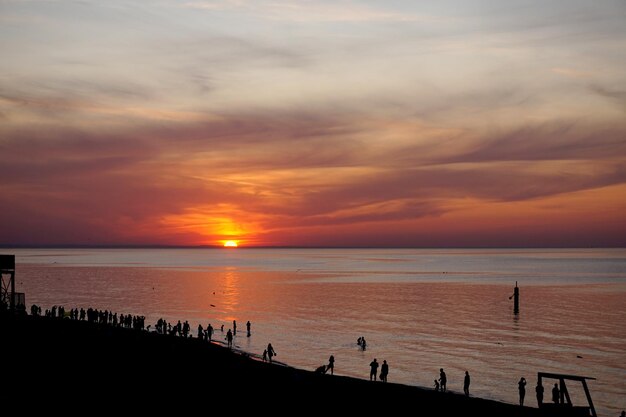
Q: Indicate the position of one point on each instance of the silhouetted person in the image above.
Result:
(229, 338)
(466, 383)
(222, 328)
(200, 332)
(623, 414)
(384, 371)
(555, 394)
(443, 380)
(539, 391)
(270, 352)
(320, 369)
(248, 327)
(436, 385)
(331, 364)
(373, 369)
(363, 343)
(209, 332)
(521, 386)
(358, 341)
(265, 355)
(234, 327)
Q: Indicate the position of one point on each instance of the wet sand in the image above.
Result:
(73, 362)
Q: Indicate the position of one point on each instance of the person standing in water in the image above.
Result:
(229, 339)
(235, 327)
(248, 327)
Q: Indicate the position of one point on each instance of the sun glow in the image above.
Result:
(230, 244)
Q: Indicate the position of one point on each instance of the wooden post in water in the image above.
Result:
(516, 299)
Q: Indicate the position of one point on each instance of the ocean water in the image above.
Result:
(420, 310)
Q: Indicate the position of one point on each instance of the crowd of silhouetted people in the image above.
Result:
(92, 315)
(129, 321)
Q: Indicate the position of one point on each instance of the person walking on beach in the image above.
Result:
(200, 332)
(373, 369)
(248, 327)
(265, 355)
(539, 391)
(466, 383)
(555, 394)
(229, 339)
(209, 332)
(443, 380)
(521, 385)
(384, 371)
(331, 364)
(270, 352)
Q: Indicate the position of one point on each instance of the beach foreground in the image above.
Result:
(72, 360)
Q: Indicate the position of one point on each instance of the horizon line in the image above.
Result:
(144, 246)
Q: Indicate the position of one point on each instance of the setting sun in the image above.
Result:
(230, 244)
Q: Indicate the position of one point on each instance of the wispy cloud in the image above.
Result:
(309, 11)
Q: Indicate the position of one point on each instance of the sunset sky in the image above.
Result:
(313, 123)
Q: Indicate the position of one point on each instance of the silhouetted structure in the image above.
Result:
(515, 297)
(373, 369)
(466, 383)
(561, 401)
(9, 299)
(521, 386)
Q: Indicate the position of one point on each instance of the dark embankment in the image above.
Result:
(64, 363)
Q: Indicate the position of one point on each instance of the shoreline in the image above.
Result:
(44, 349)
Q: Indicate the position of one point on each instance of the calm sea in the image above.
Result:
(420, 310)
